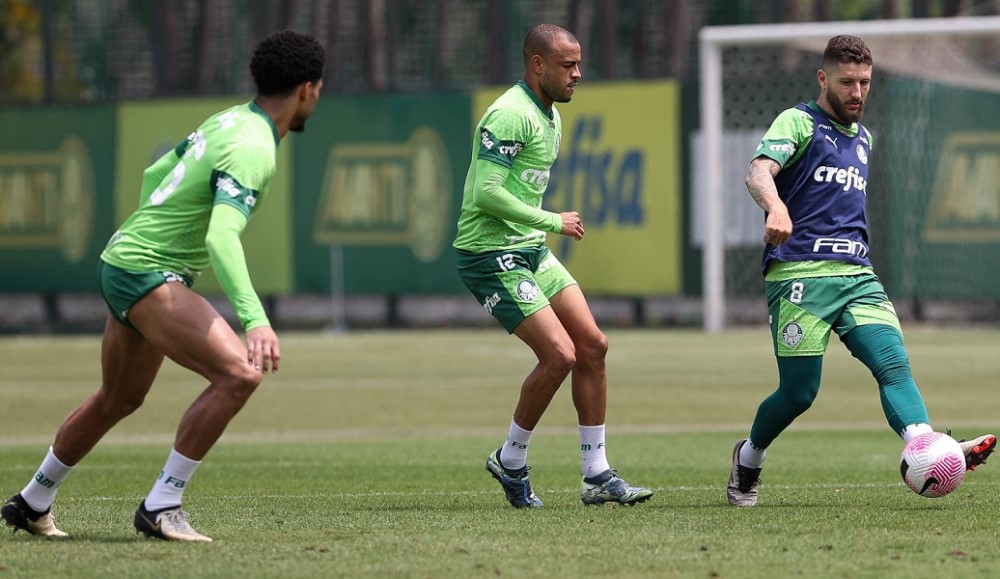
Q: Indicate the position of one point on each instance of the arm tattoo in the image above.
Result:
(760, 179)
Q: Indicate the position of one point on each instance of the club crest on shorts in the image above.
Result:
(527, 290)
(791, 334)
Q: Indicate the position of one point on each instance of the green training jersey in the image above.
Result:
(229, 160)
(513, 150)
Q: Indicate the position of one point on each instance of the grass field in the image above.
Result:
(364, 457)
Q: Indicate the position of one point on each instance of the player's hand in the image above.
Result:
(263, 352)
(778, 225)
(572, 225)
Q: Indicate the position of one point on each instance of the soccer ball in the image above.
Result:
(932, 464)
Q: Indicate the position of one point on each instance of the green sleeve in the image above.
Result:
(787, 138)
(226, 254)
(491, 197)
(154, 175)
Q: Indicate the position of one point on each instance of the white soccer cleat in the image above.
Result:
(743, 481)
(20, 516)
(170, 524)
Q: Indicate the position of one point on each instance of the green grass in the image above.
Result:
(364, 457)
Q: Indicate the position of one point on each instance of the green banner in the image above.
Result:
(945, 191)
(55, 197)
(148, 129)
(378, 182)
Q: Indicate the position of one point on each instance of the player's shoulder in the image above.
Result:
(867, 136)
(792, 124)
(794, 114)
(251, 129)
(510, 112)
(244, 120)
(512, 103)
(257, 125)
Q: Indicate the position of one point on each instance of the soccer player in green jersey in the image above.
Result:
(810, 176)
(194, 203)
(503, 260)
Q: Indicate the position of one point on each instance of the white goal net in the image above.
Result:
(934, 188)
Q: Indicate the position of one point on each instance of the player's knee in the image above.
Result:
(561, 362)
(801, 402)
(799, 397)
(246, 378)
(114, 408)
(592, 349)
(241, 382)
(892, 366)
(597, 346)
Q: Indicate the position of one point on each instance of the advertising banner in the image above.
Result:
(378, 183)
(945, 197)
(55, 197)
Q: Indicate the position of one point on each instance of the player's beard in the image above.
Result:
(555, 91)
(840, 110)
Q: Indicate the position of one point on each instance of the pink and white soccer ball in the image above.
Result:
(932, 464)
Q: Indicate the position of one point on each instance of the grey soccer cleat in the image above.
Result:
(515, 484)
(608, 487)
(170, 524)
(20, 516)
(743, 481)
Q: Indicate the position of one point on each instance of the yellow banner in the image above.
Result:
(619, 167)
(146, 130)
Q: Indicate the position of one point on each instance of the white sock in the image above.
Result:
(912, 430)
(514, 452)
(593, 451)
(41, 491)
(168, 490)
(750, 456)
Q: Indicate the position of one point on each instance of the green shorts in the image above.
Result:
(803, 311)
(513, 284)
(122, 289)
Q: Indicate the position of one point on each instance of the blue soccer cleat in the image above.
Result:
(515, 484)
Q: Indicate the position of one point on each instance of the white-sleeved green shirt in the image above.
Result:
(195, 201)
(513, 150)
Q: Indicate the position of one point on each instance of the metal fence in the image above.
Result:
(80, 51)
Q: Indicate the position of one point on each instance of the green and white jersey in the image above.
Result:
(229, 159)
(513, 150)
(201, 195)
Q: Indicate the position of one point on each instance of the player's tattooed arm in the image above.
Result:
(760, 184)
(760, 181)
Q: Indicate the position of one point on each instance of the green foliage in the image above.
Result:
(364, 457)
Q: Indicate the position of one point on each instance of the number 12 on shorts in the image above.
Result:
(506, 262)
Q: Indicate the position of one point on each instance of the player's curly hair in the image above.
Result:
(284, 60)
(845, 48)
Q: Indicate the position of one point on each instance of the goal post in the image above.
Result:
(794, 51)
